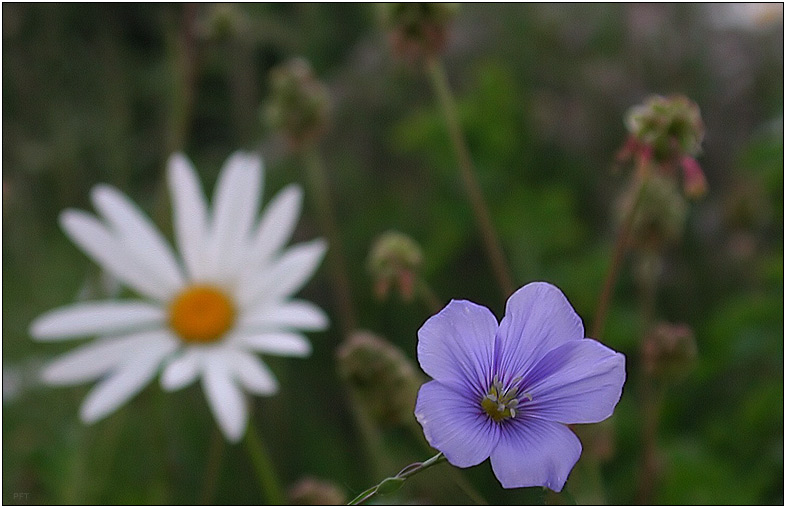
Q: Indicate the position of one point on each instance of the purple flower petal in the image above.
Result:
(455, 425)
(578, 382)
(538, 318)
(455, 346)
(533, 452)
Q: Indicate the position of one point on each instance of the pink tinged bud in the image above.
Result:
(381, 288)
(695, 183)
(406, 284)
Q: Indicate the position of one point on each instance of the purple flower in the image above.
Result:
(507, 391)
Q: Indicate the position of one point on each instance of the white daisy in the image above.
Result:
(203, 316)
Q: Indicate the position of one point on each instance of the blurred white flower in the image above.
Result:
(201, 316)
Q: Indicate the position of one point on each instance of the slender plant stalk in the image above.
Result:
(377, 458)
(321, 194)
(260, 458)
(183, 57)
(392, 483)
(439, 82)
(428, 296)
(650, 400)
(620, 249)
(214, 459)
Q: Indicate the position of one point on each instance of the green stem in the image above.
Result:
(651, 396)
(260, 458)
(620, 249)
(377, 458)
(439, 82)
(455, 475)
(320, 191)
(214, 459)
(392, 483)
(428, 296)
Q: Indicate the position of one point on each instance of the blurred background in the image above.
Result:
(105, 93)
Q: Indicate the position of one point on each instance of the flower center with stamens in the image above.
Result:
(201, 314)
(501, 403)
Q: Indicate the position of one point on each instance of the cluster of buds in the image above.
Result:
(417, 31)
(383, 379)
(314, 492)
(668, 351)
(394, 260)
(667, 132)
(299, 103)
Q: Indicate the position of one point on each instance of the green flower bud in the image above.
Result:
(299, 104)
(381, 376)
(313, 492)
(222, 22)
(669, 351)
(417, 30)
(394, 260)
(660, 215)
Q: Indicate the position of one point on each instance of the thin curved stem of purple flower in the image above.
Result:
(439, 82)
(320, 192)
(459, 479)
(260, 458)
(393, 483)
(620, 249)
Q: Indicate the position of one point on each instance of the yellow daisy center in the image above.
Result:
(201, 314)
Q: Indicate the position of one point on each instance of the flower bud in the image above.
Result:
(384, 380)
(417, 31)
(667, 133)
(659, 215)
(222, 22)
(299, 104)
(313, 492)
(395, 259)
(668, 350)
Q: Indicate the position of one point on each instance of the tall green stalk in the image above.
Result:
(320, 192)
(266, 474)
(439, 82)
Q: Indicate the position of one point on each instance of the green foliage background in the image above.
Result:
(104, 93)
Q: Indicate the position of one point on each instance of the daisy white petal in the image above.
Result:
(128, 380)
(254, 375)
(190, 213)
(139, 236)
(285, 276)
(291, 314)
(96, 318)
(105, 249)
(225, 399)
(235, 202)
(276, 226)
(279, 343)
(93, 360)
(182, 371)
